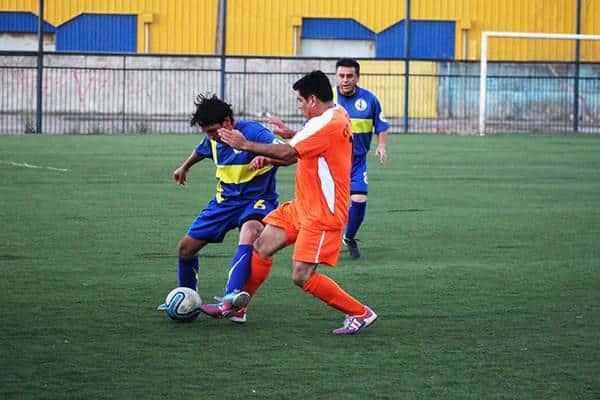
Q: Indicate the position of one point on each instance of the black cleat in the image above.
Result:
(352, 246)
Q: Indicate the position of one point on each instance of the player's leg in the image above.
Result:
(235, 298)
(210, 226)
(249, 276)
(250, 223)
(312, 248)
(359, 188)
(233, 305)
(188, 263)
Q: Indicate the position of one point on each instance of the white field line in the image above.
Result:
(27, 165)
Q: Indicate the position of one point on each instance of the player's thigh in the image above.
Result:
(251, 217)
(213, 223)
(359, 182)
(271, 240)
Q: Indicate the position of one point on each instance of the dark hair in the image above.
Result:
(348, 62)
(316, 83)
(210, 110)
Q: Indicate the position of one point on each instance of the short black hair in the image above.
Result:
(348, 62)
(316, 83)
(210, 110)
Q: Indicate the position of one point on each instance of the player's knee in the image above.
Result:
(186, 250)
(250, 232)
(301, 274)
(358, 198)
(260, 246)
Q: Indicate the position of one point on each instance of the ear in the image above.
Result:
(228, 123)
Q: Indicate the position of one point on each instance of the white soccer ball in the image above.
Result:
(183, 304)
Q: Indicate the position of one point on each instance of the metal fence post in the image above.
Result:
(406, 64)
(40, 68)
(577, 70)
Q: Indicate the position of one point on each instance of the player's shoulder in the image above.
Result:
(365, 93)
(250, 129)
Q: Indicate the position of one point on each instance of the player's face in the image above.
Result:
(306, 105)
(346, 79)
(211, 130)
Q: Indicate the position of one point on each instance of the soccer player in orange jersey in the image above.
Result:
(315, 219)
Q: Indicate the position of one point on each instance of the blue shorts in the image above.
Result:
(219, 218)
(359, 183)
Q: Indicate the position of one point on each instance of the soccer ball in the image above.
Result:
(183, 304)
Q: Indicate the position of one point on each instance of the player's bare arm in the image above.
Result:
(282, 152)
(281, 128)
(180, 174)
(381, 151)
(259, 162)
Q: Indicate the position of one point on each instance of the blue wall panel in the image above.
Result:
(21, 22)
(429, 40)
(335, 28)
(98, 32)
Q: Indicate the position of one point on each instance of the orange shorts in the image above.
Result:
(312, 246)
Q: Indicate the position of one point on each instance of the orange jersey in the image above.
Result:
(324, 149)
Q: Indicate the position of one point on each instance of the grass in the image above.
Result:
(481, 256)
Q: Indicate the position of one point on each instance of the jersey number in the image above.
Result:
(260, 205)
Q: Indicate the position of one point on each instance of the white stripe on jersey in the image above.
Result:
(312, 126)
(327, 183)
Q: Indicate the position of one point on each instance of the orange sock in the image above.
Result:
(259, 271)
(325, 289)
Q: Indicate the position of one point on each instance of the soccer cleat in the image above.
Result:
(229, 307)
(239, 317)
(162, 307)
(352, 247)
(353, 324)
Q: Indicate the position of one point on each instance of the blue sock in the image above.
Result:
(187, 272)
(240, 268)
(356, 216)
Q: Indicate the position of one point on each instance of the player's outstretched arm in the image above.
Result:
(281, 128)
(259, 162)
(180, 174)
(282, 152)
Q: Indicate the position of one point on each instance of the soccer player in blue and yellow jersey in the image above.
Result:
(244, 197)
(366, 118)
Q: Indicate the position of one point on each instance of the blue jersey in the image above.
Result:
(235, 180)
(366, 117)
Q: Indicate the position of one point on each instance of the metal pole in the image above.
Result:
(222, 42)
(406, 64)
(482, 82)
(577, 71)
(40, 67)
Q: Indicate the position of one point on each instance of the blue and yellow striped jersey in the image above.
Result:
(366, 117)
(235, 180)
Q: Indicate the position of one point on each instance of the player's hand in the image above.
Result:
(259, 162)
(233, 138)
(281, 128)
(381, 152)
(180, 176)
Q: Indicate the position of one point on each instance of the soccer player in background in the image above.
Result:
(314, 220)
(367, 118)
(244, 196)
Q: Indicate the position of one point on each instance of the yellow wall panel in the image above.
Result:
(385, 79)
(266, 27)
(178, 26)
